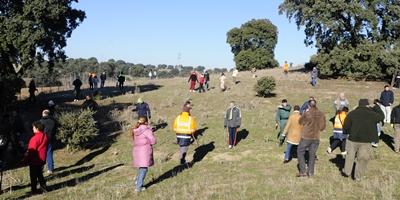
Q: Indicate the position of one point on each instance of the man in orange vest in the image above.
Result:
(286, 68)
(184, 127)
(339, 137)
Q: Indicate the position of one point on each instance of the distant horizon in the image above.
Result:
(177, 32)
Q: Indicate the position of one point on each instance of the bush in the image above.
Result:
(77, 128)
(265, 86)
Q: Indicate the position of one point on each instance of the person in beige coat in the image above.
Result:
(292, 132)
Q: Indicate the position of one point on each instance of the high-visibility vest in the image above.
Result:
(339, 120)
(184, 125)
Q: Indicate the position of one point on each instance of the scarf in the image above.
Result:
(231, 113)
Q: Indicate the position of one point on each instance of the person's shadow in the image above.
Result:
(241, 135)
(388, 140)
(200, 153)
(199, 132)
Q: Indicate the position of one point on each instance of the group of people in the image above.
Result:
(202, 79)
(355, 132)
(94, 80)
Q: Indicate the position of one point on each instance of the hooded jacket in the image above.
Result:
(143, 141)
(37, 149)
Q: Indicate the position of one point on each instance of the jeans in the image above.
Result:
(232, 135)
(312, 146)
(36, 175)
(339, 143)
(288, 151)
(360, 154)
(141, 174)
(49, 158)
(313, 81)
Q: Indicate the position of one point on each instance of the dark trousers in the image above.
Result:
(338, 143)
(312, 146)
(232, 135)
(102, 83)
(36, 175)
(32, 97)
(77, 93)
(201, 88)
(121, 85)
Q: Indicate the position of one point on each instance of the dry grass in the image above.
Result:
(253, 170)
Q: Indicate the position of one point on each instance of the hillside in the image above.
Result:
(252, 170)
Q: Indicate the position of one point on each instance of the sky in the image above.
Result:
(186, 32)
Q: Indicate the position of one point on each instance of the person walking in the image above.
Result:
(35, 157)
(286, 68)
(151, 74)
(184, 127)
(395, 121)
(235, 74)
(387, 99)
(103, 78)
(293, 133)
(360, 125)
(222, 79)
(143, 109)
(90, 79)
(313, 122)
(207, 80)
(314, 76)
(77, 88)
(50, 128)
(232, 122)
(201, 83)
(281, 117)
(192, 81)
(306, 105)
(32, 89)
(142, 153)
(95, 82)
(121, 80)
(339, 136)
(340, 102)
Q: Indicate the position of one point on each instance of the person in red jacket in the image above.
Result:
(192, 80)
(35, 157)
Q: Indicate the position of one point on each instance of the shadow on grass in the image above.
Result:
(74, 181)
(86, 158)
(52, 177)
(270, 95)
(200, 153)
(160, 125)
(388, 140)
(241, 135)
(339, 161)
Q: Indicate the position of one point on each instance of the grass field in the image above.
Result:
(252, 170)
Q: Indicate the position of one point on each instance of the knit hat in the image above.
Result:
(363, 102)
(140, 100)
(51, 103)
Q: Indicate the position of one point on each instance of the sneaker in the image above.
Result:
(344, 153)
(140, 190)
(230, 146)
(285, 161)
(329, 150)
(49, 172)
(375, 145)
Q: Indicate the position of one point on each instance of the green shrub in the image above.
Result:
(77, 128)
(265, 86)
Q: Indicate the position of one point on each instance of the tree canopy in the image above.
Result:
(253, 44)
(32, 31)
(354, 38)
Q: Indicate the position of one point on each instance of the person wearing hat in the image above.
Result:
(360, 125)
(143, 109)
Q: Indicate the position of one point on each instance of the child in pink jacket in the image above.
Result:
(143, 141)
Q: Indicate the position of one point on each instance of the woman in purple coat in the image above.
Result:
(143, 141)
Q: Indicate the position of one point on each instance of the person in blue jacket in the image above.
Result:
(143, 109)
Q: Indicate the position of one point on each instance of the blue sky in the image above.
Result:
(155, 32)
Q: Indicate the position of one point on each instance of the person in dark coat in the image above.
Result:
(395, 120)
(387, 99)
(121, 80)
(77, 88)
(49, 124)
(103, 78)
(360, 125)
(143, 109)
(281, 117)
(233, 120)
(306, 105)
(90, 79)
(90, 103)
(207, 80)
(32, 90)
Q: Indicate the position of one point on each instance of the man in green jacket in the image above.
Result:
(360, 124)
(281, 118)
